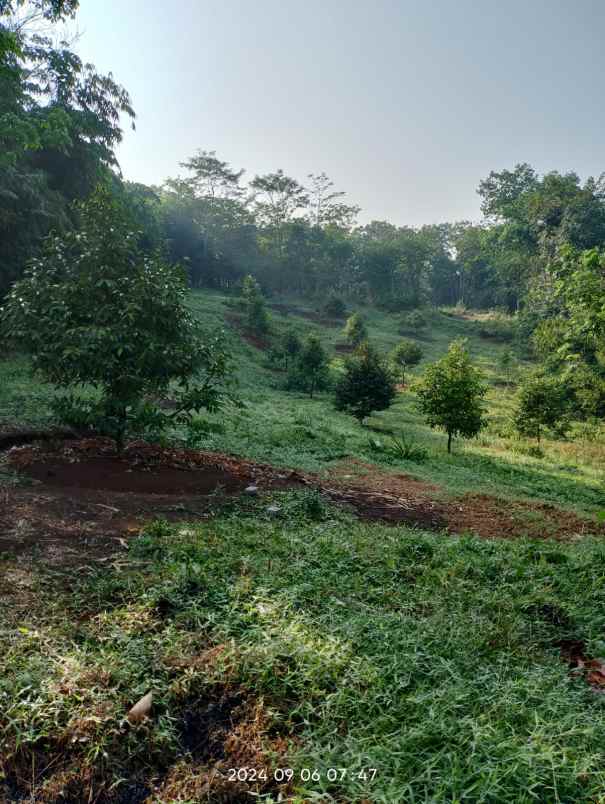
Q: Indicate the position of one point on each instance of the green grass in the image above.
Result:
(431, 659)
(289, 429)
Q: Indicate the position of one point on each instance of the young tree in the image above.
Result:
(309, 372)
(366, 385)
(95, 312)
(335, 307)
(414, 321)
(292, 346)
(506, 362)
(355, 330)
(406, 355)
(541, 403)
(450, 394)
(257, 319)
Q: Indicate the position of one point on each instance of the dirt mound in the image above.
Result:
(114, 474)
(86, 502)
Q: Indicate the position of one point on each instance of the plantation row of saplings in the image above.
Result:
(109, 326)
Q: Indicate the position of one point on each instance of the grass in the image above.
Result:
(349, 645)
(431, 660)
(289, 429)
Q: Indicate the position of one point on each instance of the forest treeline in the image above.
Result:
(537, 250)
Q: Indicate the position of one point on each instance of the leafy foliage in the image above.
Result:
(415, 321)
(541, 403)
(450, 395)
(355, 330)
(309, 371)
(366, 385)
(406, 354)
(335, 307)
(95, 312)
(257, 319)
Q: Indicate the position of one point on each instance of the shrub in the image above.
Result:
(541, 403)
(257, 319)
(414, 321)
(507, 365)
(335, 307)
(96, 313)
(309, 371)
(450, 394)
(400, 449)
(355, 330)
(497, 328)
(405, 355)
(366, 386)
(291, 346)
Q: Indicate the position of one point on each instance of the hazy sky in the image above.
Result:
(406, 104)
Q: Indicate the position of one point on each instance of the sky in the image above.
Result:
(405, 104)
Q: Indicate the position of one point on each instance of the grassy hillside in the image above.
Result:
(279, 634)
(289, 429)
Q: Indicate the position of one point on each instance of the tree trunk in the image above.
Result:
(449, 442)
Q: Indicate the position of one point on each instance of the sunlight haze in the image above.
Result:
(406, 105)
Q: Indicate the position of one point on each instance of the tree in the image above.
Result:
(95, 312)
(325, 208)
(292, 346)
(335, 307)
(505, 364)
(405, 355)
(213, 178)
(355, 330)
(60, 122)
(257, 319)
(450, 394)
(414, 321)
(540, 403)
(367, 385)
(309, 372)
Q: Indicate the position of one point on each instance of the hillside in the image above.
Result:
(376, 651)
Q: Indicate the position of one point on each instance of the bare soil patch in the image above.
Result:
(84, 502)
(398, 498)
(254, 340)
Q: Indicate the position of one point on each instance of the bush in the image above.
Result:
(257, 319)
(291, 346)
(541, 403)
(415, 321)
(355, 330)
(405, 355)
(366, 386)
(450, 394)
(400, 449)
(95, 312)
(497, 328)
(335, 307)
(309, 371)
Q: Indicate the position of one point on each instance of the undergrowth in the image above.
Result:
(432, 660)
